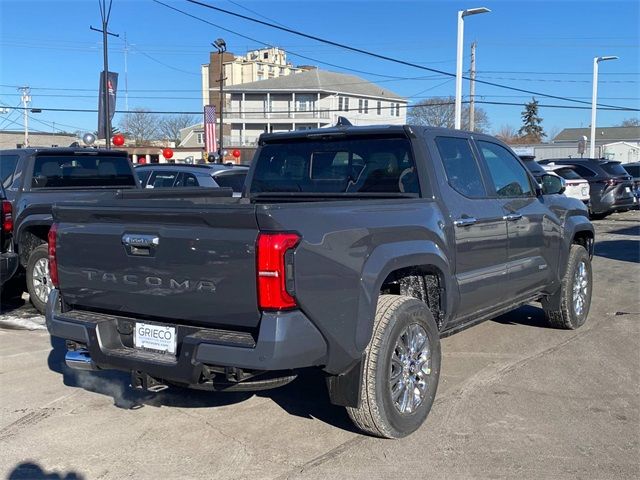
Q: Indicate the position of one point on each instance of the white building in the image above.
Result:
(310, 99)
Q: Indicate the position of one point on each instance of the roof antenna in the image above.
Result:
(343, 122)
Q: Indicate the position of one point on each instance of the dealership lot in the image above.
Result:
(515, 398)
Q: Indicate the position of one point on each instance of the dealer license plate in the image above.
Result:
(160, 338)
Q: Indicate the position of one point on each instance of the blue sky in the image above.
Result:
(542, 46)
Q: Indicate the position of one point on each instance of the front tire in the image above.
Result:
(401, 370)
(38, 278)
(568, 308)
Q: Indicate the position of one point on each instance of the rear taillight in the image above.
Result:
(275, 270)
(7, 217)
(53, 261)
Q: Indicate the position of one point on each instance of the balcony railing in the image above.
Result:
(276, 113)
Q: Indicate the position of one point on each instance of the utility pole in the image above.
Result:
(126, 80)
(472, 89)
(104, 15)
(26, 99)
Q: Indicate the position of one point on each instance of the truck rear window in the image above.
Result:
(354, 165)
(58, 171)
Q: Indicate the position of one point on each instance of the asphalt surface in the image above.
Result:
(515, 399)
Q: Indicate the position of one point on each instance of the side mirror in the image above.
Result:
(552, 184)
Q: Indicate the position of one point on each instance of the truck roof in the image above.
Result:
(65, 151)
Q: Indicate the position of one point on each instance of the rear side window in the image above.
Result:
(81, 171)
(509, 176)
(584, 172)
(233, 180)
(614, 168)
(568, 174)
(7, 167)
(463, 172)
(355, 165)
(162, 179)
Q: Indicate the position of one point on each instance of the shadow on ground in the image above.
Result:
(529, 315)
(631, 231)
(305, 397)
(623, 250)
(33, 471)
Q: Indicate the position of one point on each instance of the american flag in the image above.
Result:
(210, 129)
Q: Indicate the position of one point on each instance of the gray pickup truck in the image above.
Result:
(353, 250)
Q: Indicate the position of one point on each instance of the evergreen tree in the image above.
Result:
(531, 129)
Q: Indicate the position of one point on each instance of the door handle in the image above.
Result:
(465, 222)
(512, 217)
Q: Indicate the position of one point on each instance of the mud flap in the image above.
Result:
(344, 389)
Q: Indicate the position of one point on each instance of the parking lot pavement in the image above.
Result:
(515, 399)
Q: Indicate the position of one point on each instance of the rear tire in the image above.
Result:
(401, 369)
(38, 278)
(568, 308)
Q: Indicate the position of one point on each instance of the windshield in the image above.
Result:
(614, 168)
(354, 165)
(57, 171)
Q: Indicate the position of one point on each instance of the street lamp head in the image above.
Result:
(221, 45)
(610, 57)
(474, 11)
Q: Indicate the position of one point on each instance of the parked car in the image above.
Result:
(576, 186)
(611, 187)
(182, 175)
(37, 178)
(8, 258)
(633, 169)
(353, 250)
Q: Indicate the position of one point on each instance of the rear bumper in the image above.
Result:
(8, 266)
(286, 340)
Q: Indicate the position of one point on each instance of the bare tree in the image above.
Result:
(507, 133)
(630, 122)
(440, 112)
(140, 125)
(171, 125)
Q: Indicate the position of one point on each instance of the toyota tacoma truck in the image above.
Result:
(37, 178)
(353, 250)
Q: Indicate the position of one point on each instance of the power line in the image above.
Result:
(290, 52)
(380, 56)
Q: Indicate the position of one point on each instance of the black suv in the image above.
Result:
(611, 185)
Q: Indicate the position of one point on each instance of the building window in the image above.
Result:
(281, 70)
(340, 104)
(200, 138)
(379, 108)
(397, 109)
(366, 106)
(54, 145)
(346, 104)
(265, 55)
(260, 77)
(360, 105)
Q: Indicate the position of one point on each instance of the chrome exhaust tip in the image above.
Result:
(79, 360)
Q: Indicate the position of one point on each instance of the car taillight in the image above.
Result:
(612, 182)
(7, 216)
(53, 262)
(275, 270)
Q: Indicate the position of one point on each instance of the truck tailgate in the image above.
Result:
(189, 265)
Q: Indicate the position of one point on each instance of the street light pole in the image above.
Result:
(459, 60)
(221, 45)
(26, 99)
(594, 101)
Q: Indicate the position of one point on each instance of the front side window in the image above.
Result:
(509, 177)
(461, 167)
